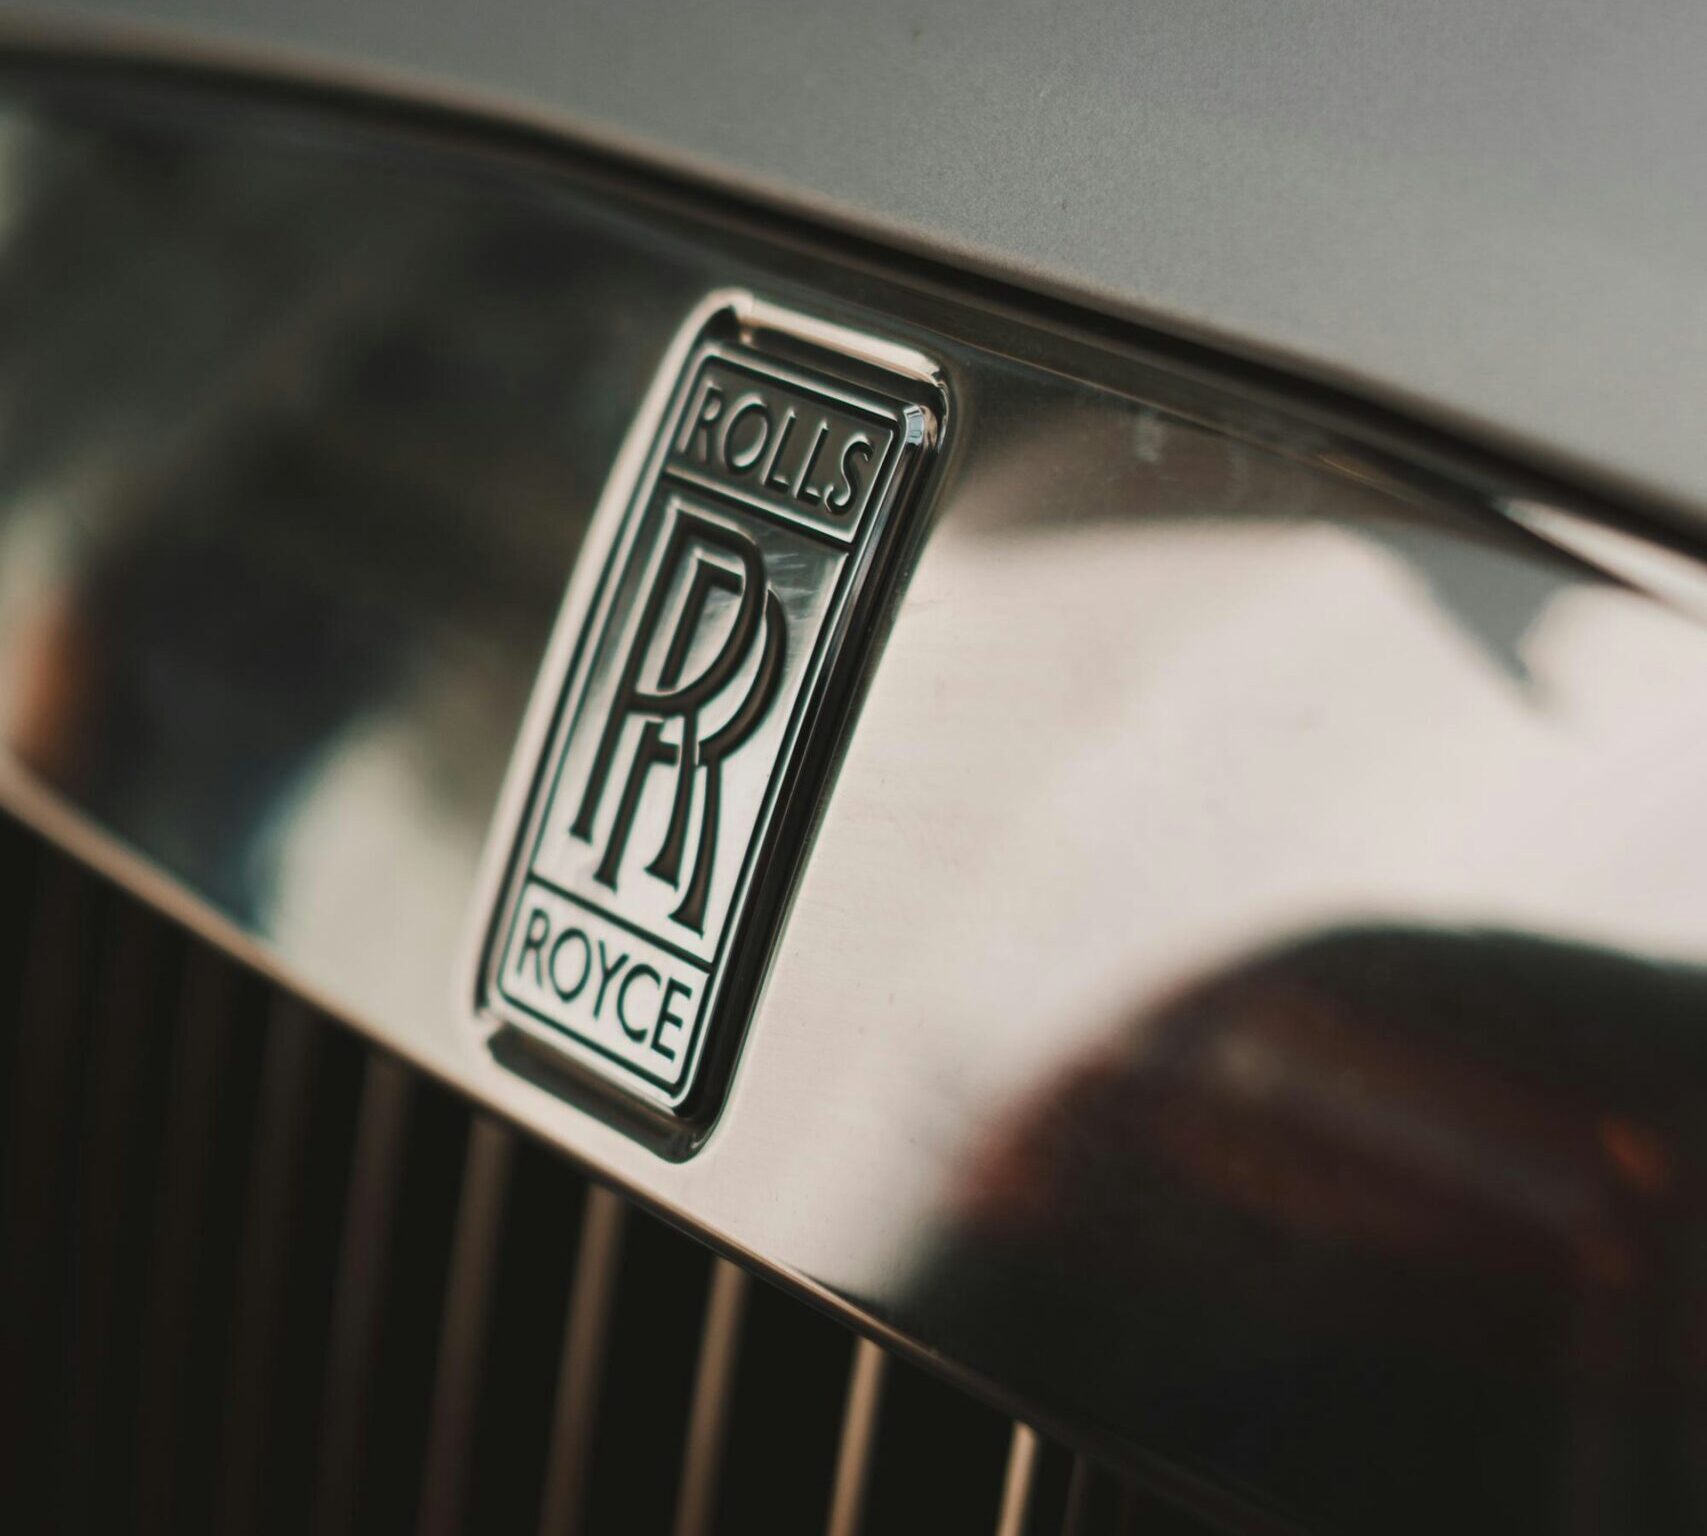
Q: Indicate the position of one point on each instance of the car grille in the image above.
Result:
(261, 1276)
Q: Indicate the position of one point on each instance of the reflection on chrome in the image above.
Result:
(1244, 993)
(1326, 1193)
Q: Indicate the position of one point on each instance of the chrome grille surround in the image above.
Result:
(265, 1277)
(1240, 1012)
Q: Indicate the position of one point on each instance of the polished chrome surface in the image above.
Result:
(1244, 1000)
(730, 573)
(1492, 216)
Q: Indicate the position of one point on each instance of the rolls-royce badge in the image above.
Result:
(700, 675)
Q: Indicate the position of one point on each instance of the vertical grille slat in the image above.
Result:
(263, 1278)
(1045, 1512)
(411, 1311)
(939, 1460)
(640, 1424)
(1019, 1485)
(208, 1334)
(1075, 1520)
(785, 1416)
(479, 1222)
(530, 1306)
(117, 1200)
(295, 1420)
(21, 874)
(52, 1020)
(583, 1362)
(192, 1121)
(1101, 1502)
(109, 1190)
(286, 1078)
(858, 1439)
(713, 1394)
(364, 1254)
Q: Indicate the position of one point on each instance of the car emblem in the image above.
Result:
(680, 733)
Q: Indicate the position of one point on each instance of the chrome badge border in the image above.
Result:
(675, 1121)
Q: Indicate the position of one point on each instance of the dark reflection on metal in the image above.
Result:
(229, 357)
(1394, 1200)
